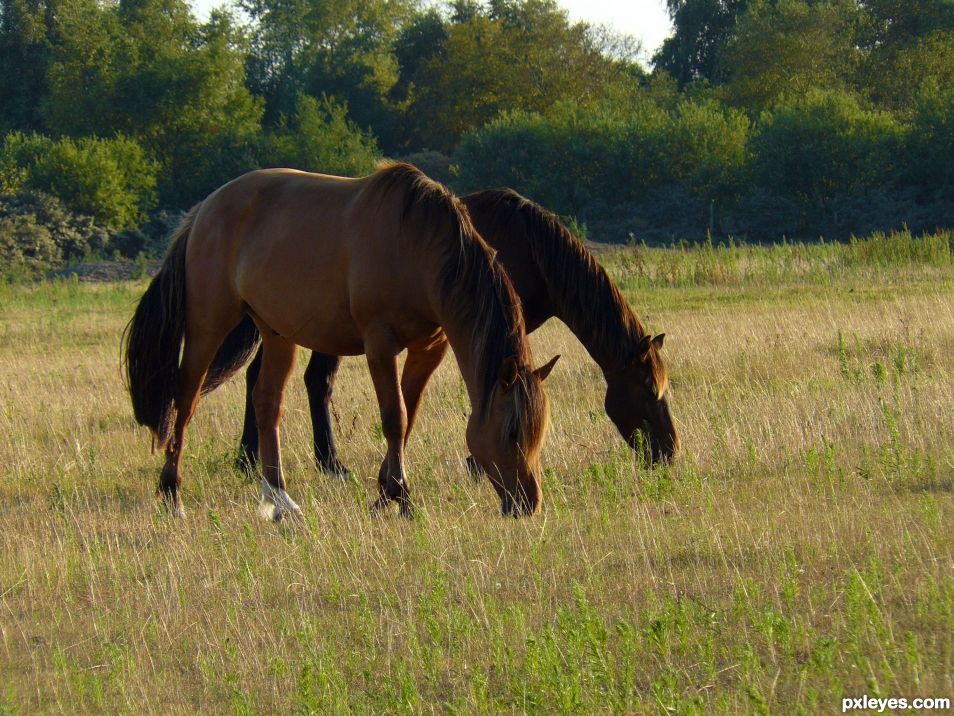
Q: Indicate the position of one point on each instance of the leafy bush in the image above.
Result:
(436, 165)
(150, 238)
(822, 146)
(108, 179)
(584, 162)
(38, 233)
(26, 247)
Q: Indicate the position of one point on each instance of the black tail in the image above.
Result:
(153, 341)
(238, 347)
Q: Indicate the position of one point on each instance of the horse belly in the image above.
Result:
(305, 300)
(336, 335)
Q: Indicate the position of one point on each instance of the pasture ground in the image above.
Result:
(800, 550)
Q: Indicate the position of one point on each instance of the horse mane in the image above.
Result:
(472, 287)
(585, 297)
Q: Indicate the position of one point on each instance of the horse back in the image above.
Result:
(312, 256)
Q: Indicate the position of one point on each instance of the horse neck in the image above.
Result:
(606, 338)
(469, 354)
(602, 348)
(468, 362)
(542, 248)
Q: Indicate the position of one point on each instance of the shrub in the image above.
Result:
(108, 179)
(582, 161)
(822, 146)
(38, 233)
(436, 165)
(26, 247)
(151, 238)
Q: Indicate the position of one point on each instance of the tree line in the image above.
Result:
(756, 118)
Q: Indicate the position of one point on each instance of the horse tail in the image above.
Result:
(153, 340)
(234, 352)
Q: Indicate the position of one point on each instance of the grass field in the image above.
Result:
(800, 550)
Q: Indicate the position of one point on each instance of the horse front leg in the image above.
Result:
(392, 481)
(422, 360)
(319, 382)
(278, 360)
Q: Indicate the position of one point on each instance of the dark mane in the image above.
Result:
(472, 288)
(585, 297)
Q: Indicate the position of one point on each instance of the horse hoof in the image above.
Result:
(271, 512)
(277, 505)
(288, 518)
(335, 470)
(407, 510)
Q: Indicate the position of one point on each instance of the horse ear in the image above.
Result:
(658, 341)
(544, 370)
(508, 373)
(643, 350)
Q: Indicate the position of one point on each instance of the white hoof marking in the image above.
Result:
(276, 504)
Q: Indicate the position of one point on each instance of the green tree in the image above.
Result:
(335, 47)
(27, 33)
(929, 157)
(702, 29)
(148, 70)
(321, 138)
(422, 38)
(516, 55)
(787, 47)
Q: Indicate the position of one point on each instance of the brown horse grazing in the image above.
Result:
(341, 266)
(553, 275)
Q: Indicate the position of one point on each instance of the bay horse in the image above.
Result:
(553, 275)
(341, 266)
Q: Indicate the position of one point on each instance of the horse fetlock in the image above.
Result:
(395, 488)
(169, 489)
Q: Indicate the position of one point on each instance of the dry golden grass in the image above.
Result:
(800, 550)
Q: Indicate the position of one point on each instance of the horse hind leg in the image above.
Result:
(199, 350)
(278, 360)
(319, 382)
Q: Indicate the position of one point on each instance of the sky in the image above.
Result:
(646, 20)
